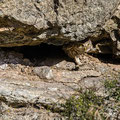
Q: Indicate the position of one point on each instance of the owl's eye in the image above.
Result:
(81, 46)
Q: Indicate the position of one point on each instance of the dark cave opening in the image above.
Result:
(107, 58)
(49, 55)
(43, 50)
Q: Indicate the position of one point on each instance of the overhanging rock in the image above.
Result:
(30, 22)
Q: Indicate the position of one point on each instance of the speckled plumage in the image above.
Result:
(77, 50)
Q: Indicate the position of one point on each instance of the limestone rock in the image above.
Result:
(65, 65)
(43, 72)
(31, 22)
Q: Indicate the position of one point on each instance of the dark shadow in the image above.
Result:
(108, 58)
(43, 55)
(40, 55)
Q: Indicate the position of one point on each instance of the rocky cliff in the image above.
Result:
(35, 85)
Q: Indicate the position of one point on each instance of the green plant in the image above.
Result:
(88, 106)
(113, 89)
(85, 106)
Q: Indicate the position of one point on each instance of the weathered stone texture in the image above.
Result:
(30, 22)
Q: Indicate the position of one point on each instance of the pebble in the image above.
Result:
(66, 65)
(43, 72)
(3, 66)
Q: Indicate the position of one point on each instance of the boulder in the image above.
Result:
(31, 22)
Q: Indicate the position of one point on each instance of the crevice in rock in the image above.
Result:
(56, 5)
(47, 55)
(107, 58)
(42, 54)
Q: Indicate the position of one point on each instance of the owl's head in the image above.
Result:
(88, 46)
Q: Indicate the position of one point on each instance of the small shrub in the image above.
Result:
(113, 89)
(86, 106)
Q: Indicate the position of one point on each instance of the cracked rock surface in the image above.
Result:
(22, 89)
(31, 86)
(31, 22)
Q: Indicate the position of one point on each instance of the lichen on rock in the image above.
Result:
(54, 22)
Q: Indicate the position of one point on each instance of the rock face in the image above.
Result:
(28, 87)
(30, 22)
(48, 82)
